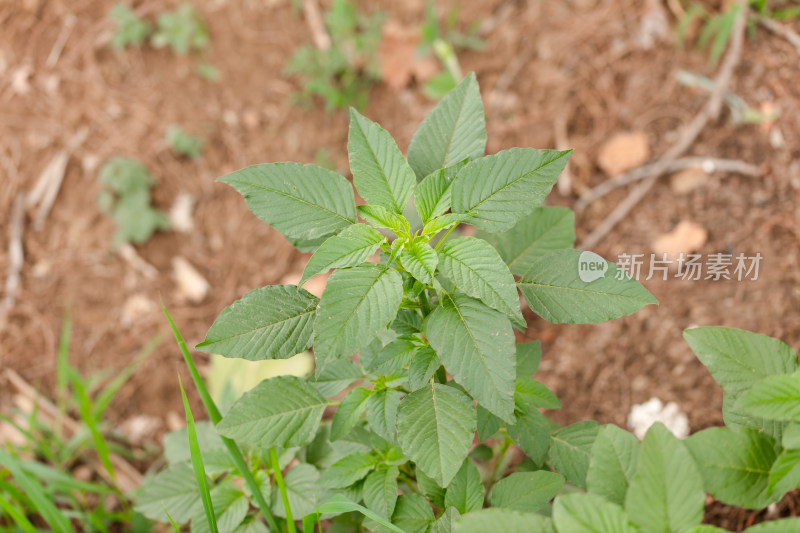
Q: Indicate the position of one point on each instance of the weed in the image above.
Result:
(343, 74)
(183, 30)
(184, 144)
(130, 29)
(126, 198)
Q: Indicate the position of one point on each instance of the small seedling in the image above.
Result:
(130, 29)
(184, 144)
(183, 30)
(444, 45)
(126, 198)
(343, 74)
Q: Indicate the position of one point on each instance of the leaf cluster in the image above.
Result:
(126, 198)
(184, 144)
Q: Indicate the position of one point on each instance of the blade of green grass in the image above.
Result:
(215, 416)
(15, 514)
(276, 471)
(197, 462)
(60, 481)
(177, 528)
(107, 394)
(85, 410)
(35, 491)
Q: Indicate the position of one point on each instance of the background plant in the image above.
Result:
(131, 30)
(184, 144)
(343, 74)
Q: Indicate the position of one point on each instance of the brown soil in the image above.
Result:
(578, 62)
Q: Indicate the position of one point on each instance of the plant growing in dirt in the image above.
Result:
(183, 30)
(131, 30)
(432, 326)
(184, 144)
(342, 74)
(126, 198)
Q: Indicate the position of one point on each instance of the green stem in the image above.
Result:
(426, 306)
(500, 460)
(276, 471)
(215, 416)
(439, 244)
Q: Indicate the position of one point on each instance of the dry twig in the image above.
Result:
(687, 137)
(709, 164)
(315, 23)
(15, 256)
(781, 31)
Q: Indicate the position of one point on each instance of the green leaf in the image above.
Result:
(587, 513)
(554, 290)
(529, 354)
(535, 394)
(174, 489)
(465, 492)
(380, 217)
(349, 412)
(408, 322)
(230, 509)
(348, 470)
(392, 358)
(526, 491)
(357, 303)
(477, 270)
(773, 398)
(735, 418)
(280, 412)
(776, 526)
(488, 424)
(422, 367)
(420, 260)
(382, 413)
(454, 130)
(302, 490)
(435, 428)
(380, 491)
(546, 229)
(272, 322)
(303, 202)
(612, 465)
(476, 345)
(531, 432)
(380, 173)
(430, 488)
(502, 188)
(443, 222)
(335, 377)
(666, 493)
(504, 520)
(413, 513)
(791, 436)
(570, 449)
(354, 245)
(446, 523)
(784, 474)
(338, 504)
(737, 359)
(735, 465)
(432, 196)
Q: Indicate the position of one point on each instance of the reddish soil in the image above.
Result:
(576, 66)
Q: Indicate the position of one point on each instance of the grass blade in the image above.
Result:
(62, 369)
(276, 471)
(35, 491)
(197, 463)
(177, 528)
(15, 514)
(215, 416)
(85, 409)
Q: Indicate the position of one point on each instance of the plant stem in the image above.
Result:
(439, 244)
(276, 471)
(501, 459)
(426, 306)
(215, 416)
